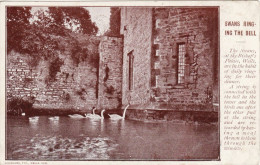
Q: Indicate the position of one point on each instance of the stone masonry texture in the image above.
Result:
(72, 89)
(197, 29)
(78, 87)
(137, 32)
(74, 86)
(156, 64)
(110, 73)
(151, 36)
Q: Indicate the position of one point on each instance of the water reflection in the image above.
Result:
(54, 148)
(102, 126)
(64, 138)
(53, 123)
(34, 121)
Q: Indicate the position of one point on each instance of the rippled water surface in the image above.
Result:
(65, 138)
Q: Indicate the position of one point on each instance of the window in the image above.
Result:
(131, 67)
(181, 63)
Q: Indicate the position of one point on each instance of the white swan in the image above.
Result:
(91, 115)
(117, 117)
(33, 119)
(78, 116)
(54, 118)
(96, 116)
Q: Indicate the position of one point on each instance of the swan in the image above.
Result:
(96, 116)
(34, 119)
(117, 117)
(77, 116)
(91, 115)
(54, 118)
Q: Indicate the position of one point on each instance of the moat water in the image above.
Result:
(65, 138)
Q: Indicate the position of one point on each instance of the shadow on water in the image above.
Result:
(64, 138)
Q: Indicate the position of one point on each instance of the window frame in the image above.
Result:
(130, 70)
(182, 64)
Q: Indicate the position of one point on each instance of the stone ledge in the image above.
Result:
(209, 117)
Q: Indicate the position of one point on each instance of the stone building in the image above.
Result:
(166, 59)
(170, 58)
(110, 73)
(170, 63)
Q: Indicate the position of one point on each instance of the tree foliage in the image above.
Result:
(76, 18)
(17, 105)
(17, 22)
(39, 36)
(114, 25)
(35, 37)
(84, 48)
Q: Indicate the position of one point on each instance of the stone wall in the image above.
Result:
(20, 78)
(73, 88)
(197, 28)
(187, 117)
(76, 86)
(153, 35)
(136, 25)
(110, 73)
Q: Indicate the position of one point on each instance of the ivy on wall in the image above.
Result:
(45, 34)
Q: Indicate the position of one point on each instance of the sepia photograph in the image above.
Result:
(112, 83)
